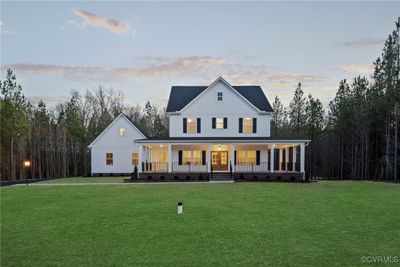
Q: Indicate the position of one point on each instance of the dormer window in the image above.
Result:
(219, 96)
(121, 131)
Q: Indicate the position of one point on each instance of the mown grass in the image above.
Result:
(247, 224)
(85, 180)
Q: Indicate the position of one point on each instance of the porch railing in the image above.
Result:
(247, 167)
(154, 166)
(189, 168)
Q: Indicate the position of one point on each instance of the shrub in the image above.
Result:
(134, 175)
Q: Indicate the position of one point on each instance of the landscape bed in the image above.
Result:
(291, 224)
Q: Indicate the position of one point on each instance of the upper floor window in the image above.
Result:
(109, 159)
(219, 123)
(219, 96)
(121, 131)
(191, 125)
(247, 125)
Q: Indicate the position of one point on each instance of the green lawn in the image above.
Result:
(85, 180)
(287, 224)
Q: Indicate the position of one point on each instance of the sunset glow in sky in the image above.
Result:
(143, 48)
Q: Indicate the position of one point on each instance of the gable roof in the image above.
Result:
(181, 96)
(112, 123)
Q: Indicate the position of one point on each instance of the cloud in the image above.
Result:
(177, 66)
(3, 31)
(363, 42)
(94, 20)
(50, 101)
(354, 68)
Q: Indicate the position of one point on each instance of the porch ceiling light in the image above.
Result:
(219, 147)
(161, 145)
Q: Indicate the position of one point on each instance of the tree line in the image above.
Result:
(55, 140)
(357, 137)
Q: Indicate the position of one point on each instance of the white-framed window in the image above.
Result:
(192, 125)
(191, 157)
(109, 159)
(248, 125)
(219, 123)
(219, 96)
(246, 157)
(121, 131)
(135, 159)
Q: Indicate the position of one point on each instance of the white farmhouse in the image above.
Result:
(218, 131)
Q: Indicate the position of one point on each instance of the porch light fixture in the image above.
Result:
(161, 145)
(180, 208)
(219, 147)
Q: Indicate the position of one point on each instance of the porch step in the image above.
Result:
(221, 177)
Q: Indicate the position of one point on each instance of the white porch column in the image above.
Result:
(280, 159)
(209, 158)
(169, 158)
(272, 154)
(302, 159)
(294, 157)
(287, 159)
(140, 158)
(233, 157)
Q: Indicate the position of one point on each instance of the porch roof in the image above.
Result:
(220, 140)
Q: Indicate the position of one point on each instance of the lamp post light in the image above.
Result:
(27, 166)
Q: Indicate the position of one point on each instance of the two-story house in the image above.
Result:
(215, 131)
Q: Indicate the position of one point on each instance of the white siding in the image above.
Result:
(122, 147)
(232, 107)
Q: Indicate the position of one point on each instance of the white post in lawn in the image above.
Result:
(233, 157)
(209, 158)
(272, 154)
(302, 159)
(169, 158)
(140, 159)
(287, 159)
(294, 157)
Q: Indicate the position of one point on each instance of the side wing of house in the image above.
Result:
(114, 151)
(220, 111)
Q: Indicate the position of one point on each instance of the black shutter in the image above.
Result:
(258, 157)
(214, 123)
(254, 125)
(234, 158)
(180, 157)
(203, 157)
(225, 123)
(184, 125)
(240, 125)
(198, 125)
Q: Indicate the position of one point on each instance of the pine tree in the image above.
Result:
(297, 111)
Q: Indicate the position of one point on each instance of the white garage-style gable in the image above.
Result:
(114, 150)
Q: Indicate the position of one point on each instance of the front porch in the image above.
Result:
(237, 160)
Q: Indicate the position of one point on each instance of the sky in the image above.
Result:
(144, 48)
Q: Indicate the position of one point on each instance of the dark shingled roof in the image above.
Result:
(180, 96)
